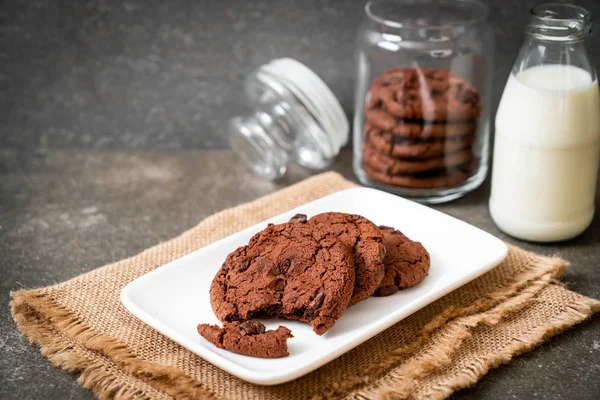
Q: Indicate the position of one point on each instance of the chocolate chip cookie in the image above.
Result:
(429, 94)
(415, 129)
(398, 166)
(395, 146)
(249, 338)
(366, 242)
(291, 270)
(406, 262)
(429, 180)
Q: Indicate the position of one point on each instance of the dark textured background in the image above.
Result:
(95, 94)
(166, 74)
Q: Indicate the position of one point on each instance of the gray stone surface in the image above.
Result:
(112, 74)
(166, 74)
(70, 211)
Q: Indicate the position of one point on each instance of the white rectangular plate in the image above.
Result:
(174, 298)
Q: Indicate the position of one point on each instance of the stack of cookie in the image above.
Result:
(420, 128)
(309, 270)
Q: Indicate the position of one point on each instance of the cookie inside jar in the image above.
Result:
(420, 129)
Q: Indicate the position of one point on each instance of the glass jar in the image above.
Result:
(422, 98)
(547, 141)
(295, 117)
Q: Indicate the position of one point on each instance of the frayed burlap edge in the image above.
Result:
(440, 354)
(64, 340)
(574, 314)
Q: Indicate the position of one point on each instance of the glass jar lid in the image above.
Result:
(296, 116)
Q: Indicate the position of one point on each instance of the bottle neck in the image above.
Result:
(556, 35)
(538, 52)
(559, 23)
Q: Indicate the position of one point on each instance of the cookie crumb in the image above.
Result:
(249, 338)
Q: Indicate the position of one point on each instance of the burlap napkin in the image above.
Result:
(82, 327)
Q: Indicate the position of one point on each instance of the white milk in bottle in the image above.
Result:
(546, 153)
(547, 147)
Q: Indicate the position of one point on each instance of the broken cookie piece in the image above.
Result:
(249, 338)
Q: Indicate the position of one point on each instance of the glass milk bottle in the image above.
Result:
(548, 131)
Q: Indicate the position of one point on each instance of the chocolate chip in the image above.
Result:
(316, 303)
(243, 265)
(278, 284)
(377, 103)
(469, 96)
(252, 328)
(284, 266)
(299, 218)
